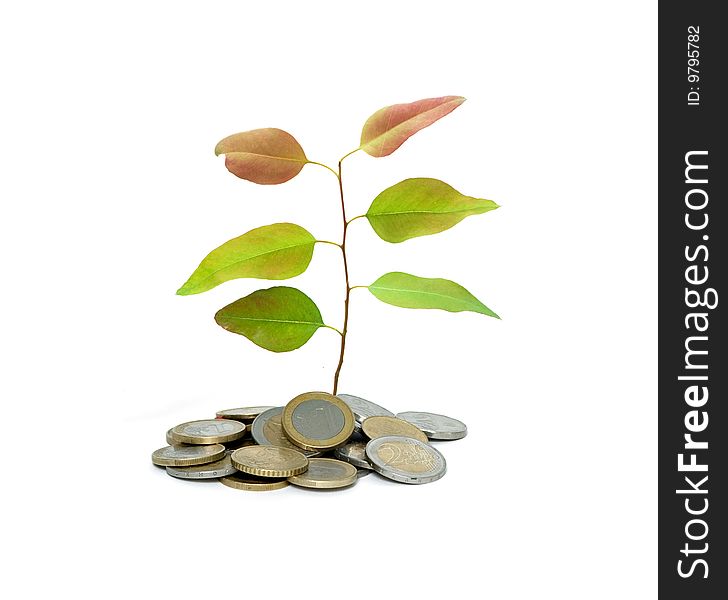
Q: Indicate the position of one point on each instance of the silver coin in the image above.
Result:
(405, 459)
(434, 426)
(354, 453)
(268, 431)
(318, 419)
(219, 468)
(363, 472)
(363, 408)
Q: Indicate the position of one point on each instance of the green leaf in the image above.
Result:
(421, 206)
(390, 127)
(266, 156)
(278, 251)
(409, 291)
(279, 319)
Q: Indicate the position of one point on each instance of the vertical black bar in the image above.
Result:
(693, 268)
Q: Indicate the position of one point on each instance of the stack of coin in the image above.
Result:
(316, 441)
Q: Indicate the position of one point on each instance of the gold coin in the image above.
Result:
(246, 414)
(187, 456)
(208, 431)
(317, 421)
(269, 461)
(251, 483)
(326, 473)
(376, 427)
(171, 442)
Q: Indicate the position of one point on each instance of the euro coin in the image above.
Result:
(436, 427)
(405, 459)
(208, 431)
(267, 430)
(325, 473)
(376, 427)
(269, 461)
(317, 421)
(186, 456)
(363, 408)
(251, 483)
(171, 442)
(354, 453)
(212, 470)
(246, 414)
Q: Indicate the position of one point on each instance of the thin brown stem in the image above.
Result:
(348, 288)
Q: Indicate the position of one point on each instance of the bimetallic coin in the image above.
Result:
(186, 456)
(269, 461)
(171, 441)
(317, 421)
(246, 414)
(436, 427)
(363, 408)
(354, 453)
(376, 427)
(325, 473)
(267, 430)
(251, 483)
(209, 431)
(405, 459)
(213, 470)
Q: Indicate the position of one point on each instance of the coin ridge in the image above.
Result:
(310, 443)
(263, 486)
(268, 472)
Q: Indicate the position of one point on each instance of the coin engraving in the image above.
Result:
(406, 460)
(436, 427)
(318, 419)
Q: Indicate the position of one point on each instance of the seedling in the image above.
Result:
(283, 318)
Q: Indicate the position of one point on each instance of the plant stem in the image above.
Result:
(348, 288)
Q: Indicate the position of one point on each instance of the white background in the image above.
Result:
(111, 195)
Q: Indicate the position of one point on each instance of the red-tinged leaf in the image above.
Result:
(390, 127)
(266, 156)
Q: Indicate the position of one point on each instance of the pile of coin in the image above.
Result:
(316, 441)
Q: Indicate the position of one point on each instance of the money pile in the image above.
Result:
(316, 441)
